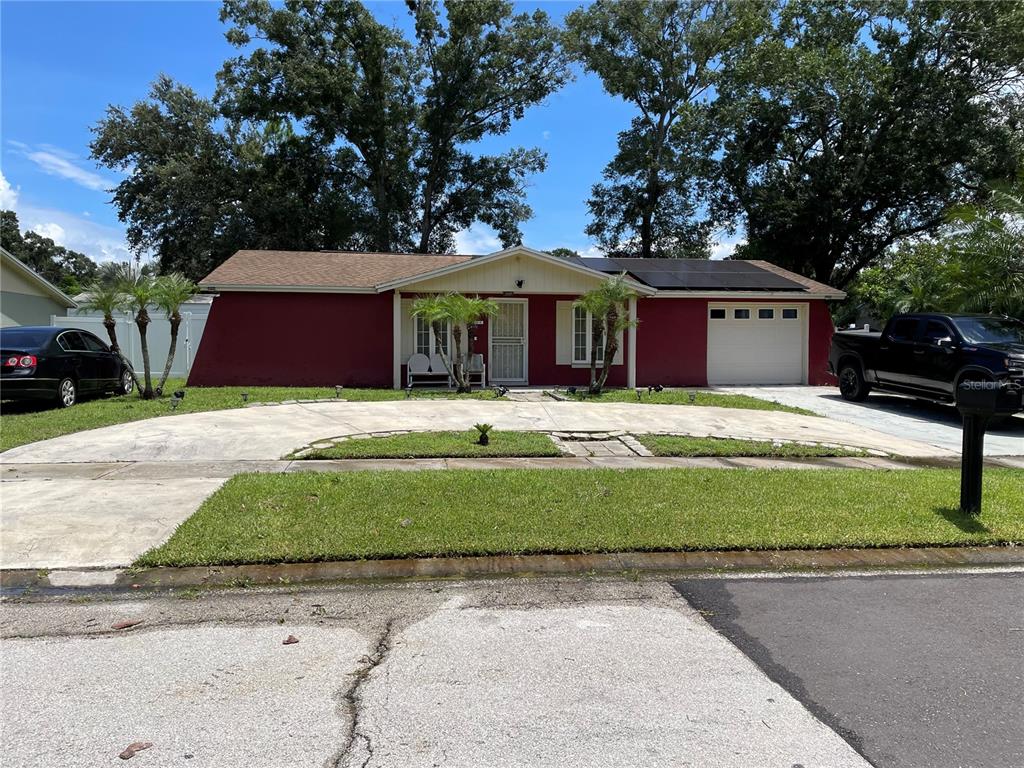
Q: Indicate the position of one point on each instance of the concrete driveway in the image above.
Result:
(903, 417)
(93, 513)
(270, 432)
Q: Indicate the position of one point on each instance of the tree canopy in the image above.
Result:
(332, 130)
(855, 125)
(664, 57)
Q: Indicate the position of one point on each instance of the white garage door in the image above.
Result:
(757, 343)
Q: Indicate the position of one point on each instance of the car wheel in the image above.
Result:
(67, 393)
(851, 383)
(127, 383)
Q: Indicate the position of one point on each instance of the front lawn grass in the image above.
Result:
(304, 517)
(682, 397)
(679, 445)
(439, 445)
(24, 422)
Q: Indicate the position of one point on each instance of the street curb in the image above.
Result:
(507, 565)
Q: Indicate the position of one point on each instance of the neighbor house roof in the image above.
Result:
(321, 269)
(344, 271)
(29, 274)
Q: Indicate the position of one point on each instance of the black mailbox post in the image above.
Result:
(978, 402)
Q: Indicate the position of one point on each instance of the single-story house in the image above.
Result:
(328, 318)
(26, 297)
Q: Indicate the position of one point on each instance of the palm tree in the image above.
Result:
(459, 312)
(172, 291)
(107, 298)
(606, 305)
(432, 311)
(140, 292)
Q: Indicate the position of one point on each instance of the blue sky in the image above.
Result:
(64, 62)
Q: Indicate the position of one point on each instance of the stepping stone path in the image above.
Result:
(586, 444)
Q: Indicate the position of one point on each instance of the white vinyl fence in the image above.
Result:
(158, 336)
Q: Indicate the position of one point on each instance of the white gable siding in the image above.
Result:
(499, 276)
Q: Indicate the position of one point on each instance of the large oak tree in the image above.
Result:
(856, 125)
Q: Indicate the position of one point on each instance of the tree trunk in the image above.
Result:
(427, 223)
(597, 325)
(142, 321)
(460, 364)
(438, 330)
(111, 325)
(175, 324)
(611, 346)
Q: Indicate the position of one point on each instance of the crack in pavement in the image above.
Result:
(351, 700)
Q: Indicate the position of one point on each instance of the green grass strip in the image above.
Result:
(341, 516)
(682, 397)
(434, 445)
(675, 445)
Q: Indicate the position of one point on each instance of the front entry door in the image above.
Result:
(508, 343)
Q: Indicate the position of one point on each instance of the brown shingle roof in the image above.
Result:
(322, 269)
(813, 286)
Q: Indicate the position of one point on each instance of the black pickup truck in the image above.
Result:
(928, 355)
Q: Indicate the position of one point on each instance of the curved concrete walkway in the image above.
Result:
(270, 432)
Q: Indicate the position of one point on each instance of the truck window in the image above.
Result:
(934, 330)
(903, 329)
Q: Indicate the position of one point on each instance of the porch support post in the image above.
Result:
(396, 340)
(631, 346)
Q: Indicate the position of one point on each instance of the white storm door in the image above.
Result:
(508, 331)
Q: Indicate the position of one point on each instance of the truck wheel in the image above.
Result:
(851, 383)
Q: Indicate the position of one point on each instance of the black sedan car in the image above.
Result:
(59, 364)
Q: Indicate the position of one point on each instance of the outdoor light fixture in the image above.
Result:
(520, 283)
(337, 390)
(638, 393)
(658, 388)
(408, 392)
(245, 397)
(693, 396)
(180, 394)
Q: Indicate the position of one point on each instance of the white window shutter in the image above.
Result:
(563, 333)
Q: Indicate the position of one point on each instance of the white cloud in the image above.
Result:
(725, 245)
(58, 163)
(8, 194)
(97, 241)
(477, 240)
(545, 135)
(51, 230)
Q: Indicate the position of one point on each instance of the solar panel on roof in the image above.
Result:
(695, 274)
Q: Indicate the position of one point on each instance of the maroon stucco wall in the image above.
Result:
(326, 339)
(296, 339)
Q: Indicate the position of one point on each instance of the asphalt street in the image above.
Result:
(919, 671)
(521, 672)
